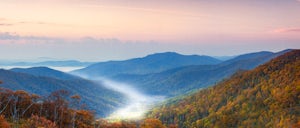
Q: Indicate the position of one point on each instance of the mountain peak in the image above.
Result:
(153, 63)
(164, 54)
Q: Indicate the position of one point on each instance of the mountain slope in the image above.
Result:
(181, 80)
(98, 98)
(149, 64)
(46, 72)
(268, 96)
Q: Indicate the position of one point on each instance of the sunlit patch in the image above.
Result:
(131, 111)
(136, 109)
(138, 103)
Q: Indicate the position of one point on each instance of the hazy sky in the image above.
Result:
(97, 30)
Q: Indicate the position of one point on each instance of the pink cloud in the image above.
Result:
(286, 30)
(5, 24)
(15, 36)
(2, 22)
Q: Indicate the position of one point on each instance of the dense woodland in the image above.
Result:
(268, 96)
(59, 109)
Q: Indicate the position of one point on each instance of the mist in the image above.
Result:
(137, 103)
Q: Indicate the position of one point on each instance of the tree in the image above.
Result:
(5, 99)
(83, 119)
(58, 105)
(38, 122)
(152, 123)
(75, 101)
(3, 122)
(31, 111)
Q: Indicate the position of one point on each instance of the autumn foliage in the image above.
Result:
(38, 122)
(20, 109)
(152, 123)
(59, 109)
(268, 96)
(145, 123)
(3, 122)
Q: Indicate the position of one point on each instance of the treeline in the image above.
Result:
(145, 123)
(268, 96)
(58, 110)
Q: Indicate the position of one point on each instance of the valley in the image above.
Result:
(132, 97)
(149, 64)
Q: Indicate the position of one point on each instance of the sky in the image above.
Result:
(100, 30)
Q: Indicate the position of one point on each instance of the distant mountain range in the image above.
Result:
(267, 96)
(43, 81)
(150, 64)
(67, 63)
(184, 79)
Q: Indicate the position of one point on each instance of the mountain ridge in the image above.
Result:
(183, 79)
(46, 72)
(103, 101)
(148, 64)
(267, 96)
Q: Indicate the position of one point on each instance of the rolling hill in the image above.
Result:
(46, 72)
(184, 79)
(267, 96)
(150, 64)
(97, 97)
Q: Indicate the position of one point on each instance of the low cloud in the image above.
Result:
(9, 36)
(36, 22)
(5, 24)
(11, 22)
(14, 36)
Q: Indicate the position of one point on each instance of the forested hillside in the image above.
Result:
(181, 80)
(268, 96)
(45, 72)
(98, 98)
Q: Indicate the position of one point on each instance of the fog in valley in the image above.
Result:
(137, 104)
